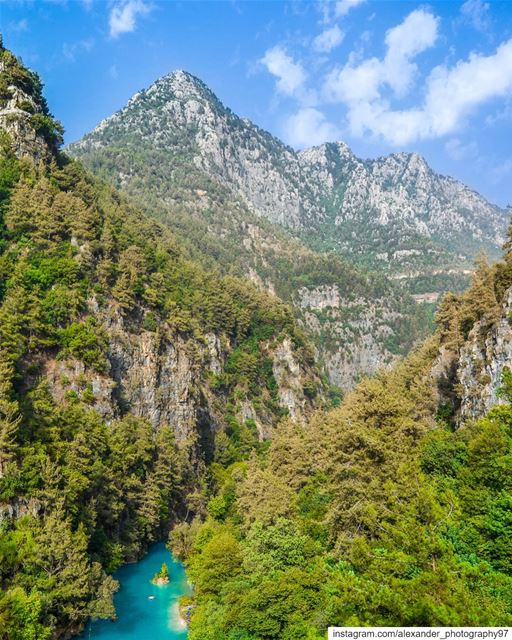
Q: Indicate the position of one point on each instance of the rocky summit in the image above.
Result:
(393, 213)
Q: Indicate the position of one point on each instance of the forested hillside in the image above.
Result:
(143, 395)
(393, 214)
(394, 509)
(126, 370)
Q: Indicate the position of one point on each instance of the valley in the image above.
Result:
(248, 354)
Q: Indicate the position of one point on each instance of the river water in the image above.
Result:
(140, 617)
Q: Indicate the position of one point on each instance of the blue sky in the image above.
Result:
(434, 77)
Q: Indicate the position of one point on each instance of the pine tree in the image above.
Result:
(448, 321)
(31, 211)
(9, 417)
(480, 299)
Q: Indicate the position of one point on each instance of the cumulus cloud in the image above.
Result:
(362, 82)
(367, 88)
(476, 13)
(124, 14)
(309, 127)
(372, 91)
(290, 74)
(338, 9)
(417, 33)
(451, 95)
(354, 83)
(328, 39)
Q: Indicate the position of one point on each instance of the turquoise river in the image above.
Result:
(145, 611)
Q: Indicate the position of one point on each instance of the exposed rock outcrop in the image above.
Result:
(354, 336)
(16, 119)
(482, 360)
(160, 376)
(19, 508)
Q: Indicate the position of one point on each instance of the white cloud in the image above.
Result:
(328, 39)
(451, 95)
(344, 6)
(338, 9)
(290, 74)
(356, 82)
(309, 127)
(373, 90)
(476, 13)
(123, 16)
(417, 33)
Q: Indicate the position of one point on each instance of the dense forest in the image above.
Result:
(385, 510)
(380, 512)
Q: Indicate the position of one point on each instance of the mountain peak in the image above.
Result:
(179, 85)
(393, 212)
(180, 78)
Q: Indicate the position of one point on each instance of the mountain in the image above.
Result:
(126, 370)
(138, 391)
(238, 200)
(393, 213)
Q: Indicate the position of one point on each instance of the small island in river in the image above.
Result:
(161, 578)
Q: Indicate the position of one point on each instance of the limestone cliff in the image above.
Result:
(394, 213)
(25, 121)
(168, 379)
(243, 202)
(482, 360)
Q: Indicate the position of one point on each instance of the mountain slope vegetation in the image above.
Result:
(138, 394)
(392, 212)
(126, 369)
(393, 509)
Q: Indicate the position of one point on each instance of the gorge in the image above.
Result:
(172, 349)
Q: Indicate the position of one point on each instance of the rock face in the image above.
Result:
(481, 363)
(19, 508)
(337, 320)
(286, 370)
(393, 212)
(16, 111)
(413, 218)
(162, 377)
